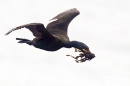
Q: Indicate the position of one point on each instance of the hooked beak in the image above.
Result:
(88, 55)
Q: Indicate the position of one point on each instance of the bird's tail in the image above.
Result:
(21, 40)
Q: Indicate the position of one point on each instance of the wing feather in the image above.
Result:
(62, 20)
(37, 29)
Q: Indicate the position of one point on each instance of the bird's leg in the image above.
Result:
(29, 42)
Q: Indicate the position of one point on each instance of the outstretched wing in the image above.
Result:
(37, 29)
(62, 21)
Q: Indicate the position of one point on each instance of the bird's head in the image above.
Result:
(86, 53)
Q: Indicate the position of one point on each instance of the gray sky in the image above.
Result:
(102, 24)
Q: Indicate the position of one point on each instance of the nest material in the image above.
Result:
(83, 57)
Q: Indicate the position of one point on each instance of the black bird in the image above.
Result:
(54, 36)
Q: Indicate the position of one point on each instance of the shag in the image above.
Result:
(54, 36)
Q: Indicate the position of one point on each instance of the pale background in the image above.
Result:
(104, 25)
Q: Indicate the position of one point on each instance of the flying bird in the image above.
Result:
(54, 36)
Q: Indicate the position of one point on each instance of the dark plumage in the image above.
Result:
(54, 36)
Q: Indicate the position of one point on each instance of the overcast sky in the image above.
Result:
(104, 25)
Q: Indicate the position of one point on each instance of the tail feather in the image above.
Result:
(22, 39)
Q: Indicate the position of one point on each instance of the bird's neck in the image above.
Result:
(75, 44)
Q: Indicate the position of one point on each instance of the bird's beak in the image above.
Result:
(88, 55)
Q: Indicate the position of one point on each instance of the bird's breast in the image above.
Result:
(48, 45)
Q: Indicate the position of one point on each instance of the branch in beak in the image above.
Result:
(85, 55)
